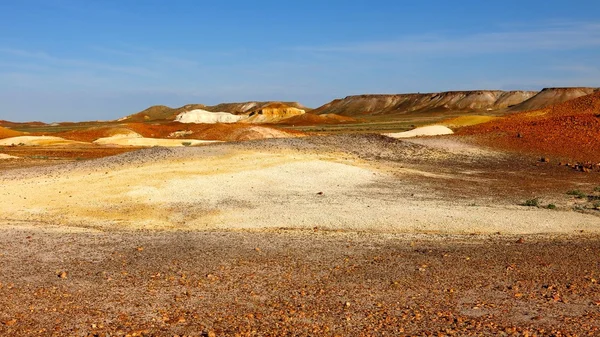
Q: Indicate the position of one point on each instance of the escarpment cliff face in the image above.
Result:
(272, 113)
(479, 100)
(550, 96)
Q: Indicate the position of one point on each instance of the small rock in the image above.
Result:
(62, 274)
(520, 240)
(319, 193)
(545, 160)
(10, 322)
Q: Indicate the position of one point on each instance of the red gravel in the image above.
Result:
(567, 130)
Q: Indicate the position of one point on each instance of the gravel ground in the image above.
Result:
(296, 283)
(318, 236)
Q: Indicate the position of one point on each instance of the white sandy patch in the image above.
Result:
(258, 190)
(430, 130)
(38, 141)
(208, 117)
(7, 156)
(134, 139)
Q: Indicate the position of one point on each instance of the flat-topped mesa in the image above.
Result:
(550, 96)
(476, 100)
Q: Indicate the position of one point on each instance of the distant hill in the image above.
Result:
(165, 113)
(478, 100)
(160, 113)
(550, 96)
(17, 124)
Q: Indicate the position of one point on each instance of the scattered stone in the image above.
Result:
(10, 322)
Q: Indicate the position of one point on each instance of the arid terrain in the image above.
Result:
(272, 219)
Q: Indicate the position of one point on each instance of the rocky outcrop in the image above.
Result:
(247, 107)
(207, 117)
(479, 100)
(272, 113)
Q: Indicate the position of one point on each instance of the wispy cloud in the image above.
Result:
(49, 59)
(551, 37)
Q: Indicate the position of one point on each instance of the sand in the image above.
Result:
(7, 156)
(431, 130)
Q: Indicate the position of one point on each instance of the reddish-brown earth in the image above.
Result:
(288, 283)
(223, 132)
(7, 133)
(569, 130)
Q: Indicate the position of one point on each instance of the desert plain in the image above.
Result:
(457, 213)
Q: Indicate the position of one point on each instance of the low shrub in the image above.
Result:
(535, 202)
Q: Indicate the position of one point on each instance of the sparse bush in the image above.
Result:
(535, 202)
(186, 143)
(551, 206)
(597, 189)
(577, 193)
(597, 205)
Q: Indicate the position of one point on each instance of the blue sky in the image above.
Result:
(103, 59)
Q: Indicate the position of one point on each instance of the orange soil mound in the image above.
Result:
(7, 133)
(91, 134)
(568, 130)
(312, 119)
(224, 132)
